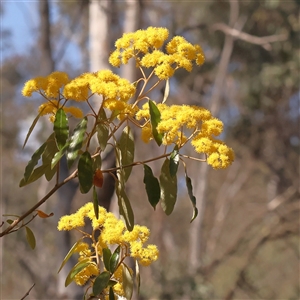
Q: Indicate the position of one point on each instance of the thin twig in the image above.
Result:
(27, 292)
(263, 41)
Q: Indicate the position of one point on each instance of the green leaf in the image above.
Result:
(85, 172)
(127, 282)
(30, 237)
(97, 163)
(114, 260)
(76, 269)
(126, 146)
(111, 294)
(155, 119)
(9, 221)
(168, 186)
(137, 276)
(95, 202)
(58, 155)
(67, 257)
(125, 208)
(102, 135)
(32, 127)
(100, 283)
(76, 141)
(174, 161)
(188, 182)
(48, 155)
(34, 161)
(61, 128)
(106, 258)
(152, 186)
(37, 173)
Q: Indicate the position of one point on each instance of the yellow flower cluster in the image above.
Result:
(143, 45)
(112, 232)
(175, 119)
(115, 91)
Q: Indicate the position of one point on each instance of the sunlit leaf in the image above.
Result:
(125, 208)
(106, 258)
(32, 126)
(100, 283)
(95, 203)
(76, 269)
(168, 186)
(127, 282)
(61, 128)
(114, 260)
(58, 155)
(192, 197)
(155, 119)
(30, 237)
(167, 91)
(76, 141)
(174, 161)
(85, 172)
(34, 161)
(126, 146)
(69, 254)
(137, 276)
(152, 186)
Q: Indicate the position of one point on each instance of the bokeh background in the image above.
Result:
(245, 242)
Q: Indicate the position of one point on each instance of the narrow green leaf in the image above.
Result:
(37, 173)
(137, 276)
(174, 161)
(155, 119)
(69, 254)
(126, 146)
(125, 208)
(30, 237)
(114, 260)
(76, 141)
(32, 127)
(167, 91)
(61, 128)
(111, 295)
(192, 197)
(97, 163)
(85, 172)
(152, 186)
(95, 202)
(34, 161)
(168, 186)
(127, 282)
(58, 156)
(76, 269)
(106, 258)
(48, 155)
(100, 283)
(112, 282)
(102, 135)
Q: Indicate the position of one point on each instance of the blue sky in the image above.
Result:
(20, 18)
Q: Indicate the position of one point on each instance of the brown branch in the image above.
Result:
(27, 292)
(10, 228)
(263, 41)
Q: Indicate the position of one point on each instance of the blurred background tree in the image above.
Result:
(245, 242)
